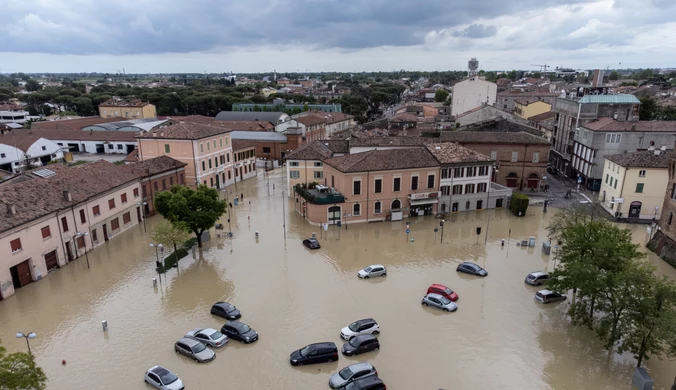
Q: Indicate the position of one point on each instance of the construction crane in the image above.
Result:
(543, 68)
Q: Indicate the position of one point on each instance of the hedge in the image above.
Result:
(519, 203)
(181, 252)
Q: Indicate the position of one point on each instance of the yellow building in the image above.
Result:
(305, 165)
(634, 184)
(526, 108)
(127, 108)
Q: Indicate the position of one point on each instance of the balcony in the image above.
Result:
(320, 195)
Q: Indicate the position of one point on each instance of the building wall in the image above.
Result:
(109, 147)
(472, 93)
(145, 111)
(536, 108)
(11, 158)
(164, 181)
(621, 183)
(245, 163)
(507, 101)
(447, 198)
(667, 221)
(303, 171)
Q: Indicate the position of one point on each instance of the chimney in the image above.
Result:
(11, 209)
(66, 196)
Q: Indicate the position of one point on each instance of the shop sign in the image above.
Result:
(424, 195)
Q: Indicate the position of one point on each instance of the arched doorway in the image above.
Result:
(533, 181)
(512, 180)
(333, 215)
(396, 204)
(635, 209)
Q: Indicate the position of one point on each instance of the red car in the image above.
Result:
(443, 291)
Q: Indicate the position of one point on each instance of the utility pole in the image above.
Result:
(283, 213)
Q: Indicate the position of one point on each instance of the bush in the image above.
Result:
(519, 203)
(180, 253)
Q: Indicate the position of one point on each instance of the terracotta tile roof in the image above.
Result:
(528, 94)
(383, 160)
(42, 196)
(404, 117)
(337, 145)
(386, 141)
(643, 159)
(77, 135)
(239, 144)
(233, 125)
(310, 120)
(492, 137)
(610, 124)
(154, 166)
(315, 150)
(73, 124)
(542, 117)
(132, 157)
(452, 153)
(186, 130)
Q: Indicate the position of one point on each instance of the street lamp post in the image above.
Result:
(85, 234)
(441, 223)
(29, 336)
(157, 257)
(143, 211)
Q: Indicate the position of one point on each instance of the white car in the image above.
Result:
(365, 326)
(372, 270)
(208, 336)
(163, 379)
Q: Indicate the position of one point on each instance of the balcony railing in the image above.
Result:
(315, 197)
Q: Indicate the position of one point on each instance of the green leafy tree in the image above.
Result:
(614, 75)
(649, 108)
(33, 85)
(170, 234)
(18, 371)
(441, 95)
(196, 210)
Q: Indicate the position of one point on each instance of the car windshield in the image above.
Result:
(444, 300)
(474, 266)
(228, 307)
(167, 377)
(198, 348)
(354, 342)
(531, 276)
(216, 335)
(346, 373)
(305, 351)
(368, 269)
(448, 291)
(243, 328)
(354, 326)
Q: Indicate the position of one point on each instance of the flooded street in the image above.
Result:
(499, 338)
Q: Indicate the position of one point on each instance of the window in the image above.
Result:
(356, 209)
(115, 224)
(164, 184)
(515, 156)
(615, 186)
(318, 174)
(215, 161)
(44, 148)
(135, 192)
(396, 184)
(414, 183)
(111, 204)
(227, 141)
(297, 175)
(468, 205)
(481, 187)
(318, 164)
(494, 155)
(459, 172)
(123, 198)
(180, 178)
(444, 173)
(82, 217)
(201, 148)
(46, 232)
(377, 208)
(457, 189)
(95, 238)
(16, 245)
(536, 157)
(96, 211)
(126, 218)
(204, 166)
(292, 174)
(293, 163)
(641, 173)
(607, 176)
(445, 190)
(430, 181)
(156, 185)
(639, 188)
(227, 157)
(119, 146)
(110, 146)
(483, 170)
(356, 187)
(471, 171)
(220, 142)
(2, 155)
(214, 144)
(266, 149)
(171, 181)
(469, 188)
(64, 224)
(378, 186)
(80, 242)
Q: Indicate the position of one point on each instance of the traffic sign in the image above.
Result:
(408, 231)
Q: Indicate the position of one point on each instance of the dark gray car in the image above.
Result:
(194, 350)
(351, 373)
(472, 269)
(360, 344)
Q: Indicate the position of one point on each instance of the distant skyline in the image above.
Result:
(255, 36)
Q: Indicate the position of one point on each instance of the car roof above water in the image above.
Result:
(537, 274)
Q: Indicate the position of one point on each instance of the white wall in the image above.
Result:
(472, 93)
(90, 146)
(43, 147)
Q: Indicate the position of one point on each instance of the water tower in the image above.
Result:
(472, 67)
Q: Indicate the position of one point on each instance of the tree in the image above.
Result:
(649, 108)
(614, 75)
(32, 85)
(18, 371)
(196, 210)
(168, 234)
(441, 95)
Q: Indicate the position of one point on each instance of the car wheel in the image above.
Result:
(384, 274)
(424, 303)
(366, 277)
(146, 381)
(376, 332)
(445, 309)
(299, 364)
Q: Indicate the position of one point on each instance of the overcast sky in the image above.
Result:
(323, 35)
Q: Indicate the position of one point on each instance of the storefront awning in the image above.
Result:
(423, 201)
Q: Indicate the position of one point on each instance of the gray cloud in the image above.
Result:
(474, 31)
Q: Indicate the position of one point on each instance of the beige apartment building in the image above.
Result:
(206, 149)
(634, 184)
(127, 108)
(306, 164)
(527, 108)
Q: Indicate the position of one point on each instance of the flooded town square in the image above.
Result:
(499, 338)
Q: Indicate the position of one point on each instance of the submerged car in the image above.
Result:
(443, 291)
(208, 336)
(365, 326)
(225, 310)
(194, 350)
(370, 383)
(546, 296)
(472, 269)
(163, 379)
(350, 374)
(439, 301)
(537, 278)
(314, 353)
(311, 243)
(239, 331)
(361, 344)
(372, 270)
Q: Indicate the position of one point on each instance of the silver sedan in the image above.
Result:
(194, 350)
(439, 301)
(208, 336)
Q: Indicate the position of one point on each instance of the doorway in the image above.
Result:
(100, 149)
(51, 260)
(21, 274)
(635, 209)
(479, 204)
(218, 181)
(138, 214)
(498, 203)
(69, 251)
(454, 207)
(105, 232)
(512, 180)
(334, 215)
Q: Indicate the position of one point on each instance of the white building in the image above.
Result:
(76, 141)
(19, 152)
(472, 93)
(14, 116)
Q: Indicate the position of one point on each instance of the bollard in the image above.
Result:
(314, 235)
(154, 282)
(256, 234)
(104, 323)
(503, 242)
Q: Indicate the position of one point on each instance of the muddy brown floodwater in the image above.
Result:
(498, 339)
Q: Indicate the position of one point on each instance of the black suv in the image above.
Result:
(239, 331)
(314, 353)
(368, 383)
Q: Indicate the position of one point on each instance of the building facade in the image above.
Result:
(156, 175)
(244, 154)
(20, 151)
(127, 108)
(506, 100)
(526, 108)
(472, 93)
(305, 165)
